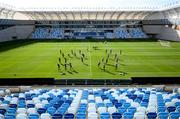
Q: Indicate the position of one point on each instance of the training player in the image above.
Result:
(108, 56)
(59, 59)
(72, 52)
(116, 66)
(65, 60)
(70, 65)
(104, 67)
(106, 60)
(110, 51)
(103, 59)
(79, 51)
(75, 54)
(115, 56)
(82, 59)
(63, 55)
(106, 51)
(87, 49)
(58, 67)
(117, 60)
(99, 63)
(69, 55)
(65, 66)
(83, 55)
(120, 52)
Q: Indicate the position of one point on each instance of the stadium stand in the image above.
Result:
(137, 33)
(56, 33)
(121, 33)
(88, 34)
(96, 103)
(43, 33)
(40, 33)
(109, 35)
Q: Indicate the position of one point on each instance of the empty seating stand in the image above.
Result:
(121, 103)
(121, 33)
(137, 33)
(58, 33)
(48, 33)
(129, 33)
(88, 34)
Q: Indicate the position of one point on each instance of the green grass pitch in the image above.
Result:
(138, 59)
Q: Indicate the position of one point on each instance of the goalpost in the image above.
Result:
(165, 43)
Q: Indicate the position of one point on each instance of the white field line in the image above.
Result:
(90, 60)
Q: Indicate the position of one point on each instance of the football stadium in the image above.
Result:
(90, 59)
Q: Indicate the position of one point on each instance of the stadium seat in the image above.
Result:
(45, 116)
(163, 115)
(174, 115)
(111, 110)
(121, 110)
(128, 115)
(93, 103)
(151, 115)
(57, 116)
(21, 116)
(171, 108)
(51, 110)
(104, 115)
(139, 115)
(1, 116)
(80, 116)
(69, 116)
(92, 115)
(116, 115)
(33, 116)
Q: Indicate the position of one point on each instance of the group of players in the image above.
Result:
(110, 59)
(64, 63)
(104, 62)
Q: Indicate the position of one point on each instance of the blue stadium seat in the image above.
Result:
(121, 110)
(163, 115)
(51, 110)
(174, 115)
(171, 108)
(41, 110)
(57, 116)
(128, 115)
(91, 103)
(105, 115)
(151, 115)
(69, 116)
(33, 116)
(116, 115)
(80, 116)
(9, 116)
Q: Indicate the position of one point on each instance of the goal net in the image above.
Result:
(164, 43)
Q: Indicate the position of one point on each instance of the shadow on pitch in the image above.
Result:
(109, 72)
(8, 45)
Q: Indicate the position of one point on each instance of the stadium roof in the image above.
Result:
(89, 9)
(91, 5)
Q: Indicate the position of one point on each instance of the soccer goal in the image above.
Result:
(165, 43)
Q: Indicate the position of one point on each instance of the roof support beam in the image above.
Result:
(118, 17)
